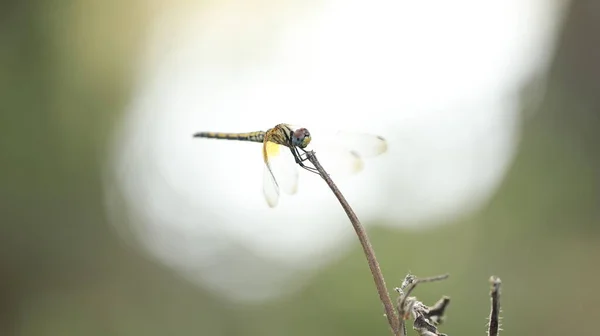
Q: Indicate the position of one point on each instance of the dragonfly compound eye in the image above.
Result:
(301, 137)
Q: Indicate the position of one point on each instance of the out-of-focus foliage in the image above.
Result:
(65, 76)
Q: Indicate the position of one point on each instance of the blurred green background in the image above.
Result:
(65, 78)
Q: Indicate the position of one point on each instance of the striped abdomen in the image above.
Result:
(251, 136)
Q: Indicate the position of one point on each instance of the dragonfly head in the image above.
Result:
(301, 137)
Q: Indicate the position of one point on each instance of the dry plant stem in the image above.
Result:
(494, 325)
(410, 284)
(366, 245)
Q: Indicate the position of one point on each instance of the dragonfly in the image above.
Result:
(284, 149)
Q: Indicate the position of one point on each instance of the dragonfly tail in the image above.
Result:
(251, 136)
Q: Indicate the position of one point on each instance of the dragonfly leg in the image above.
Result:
(300, 160)
(305, 153)
(310, 169)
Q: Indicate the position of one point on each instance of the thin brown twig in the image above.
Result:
(366, 245)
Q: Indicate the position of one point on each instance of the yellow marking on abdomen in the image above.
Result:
(251, 136)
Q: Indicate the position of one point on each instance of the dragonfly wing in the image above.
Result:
(342, 152)
(338, 161)
(270, 187)
(280, 172)
(364, 145)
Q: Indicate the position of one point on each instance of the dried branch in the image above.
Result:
(436, 312)
(366, 245)
(494, 325)
(425, 318)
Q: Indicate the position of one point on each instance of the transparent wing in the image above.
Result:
(363, 144)
(342, 152)
(280, 172)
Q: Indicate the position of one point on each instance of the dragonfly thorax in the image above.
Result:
(300, 138)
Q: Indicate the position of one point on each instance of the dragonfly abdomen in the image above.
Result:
(251, 136)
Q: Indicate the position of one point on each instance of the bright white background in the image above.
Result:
(439, 80)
